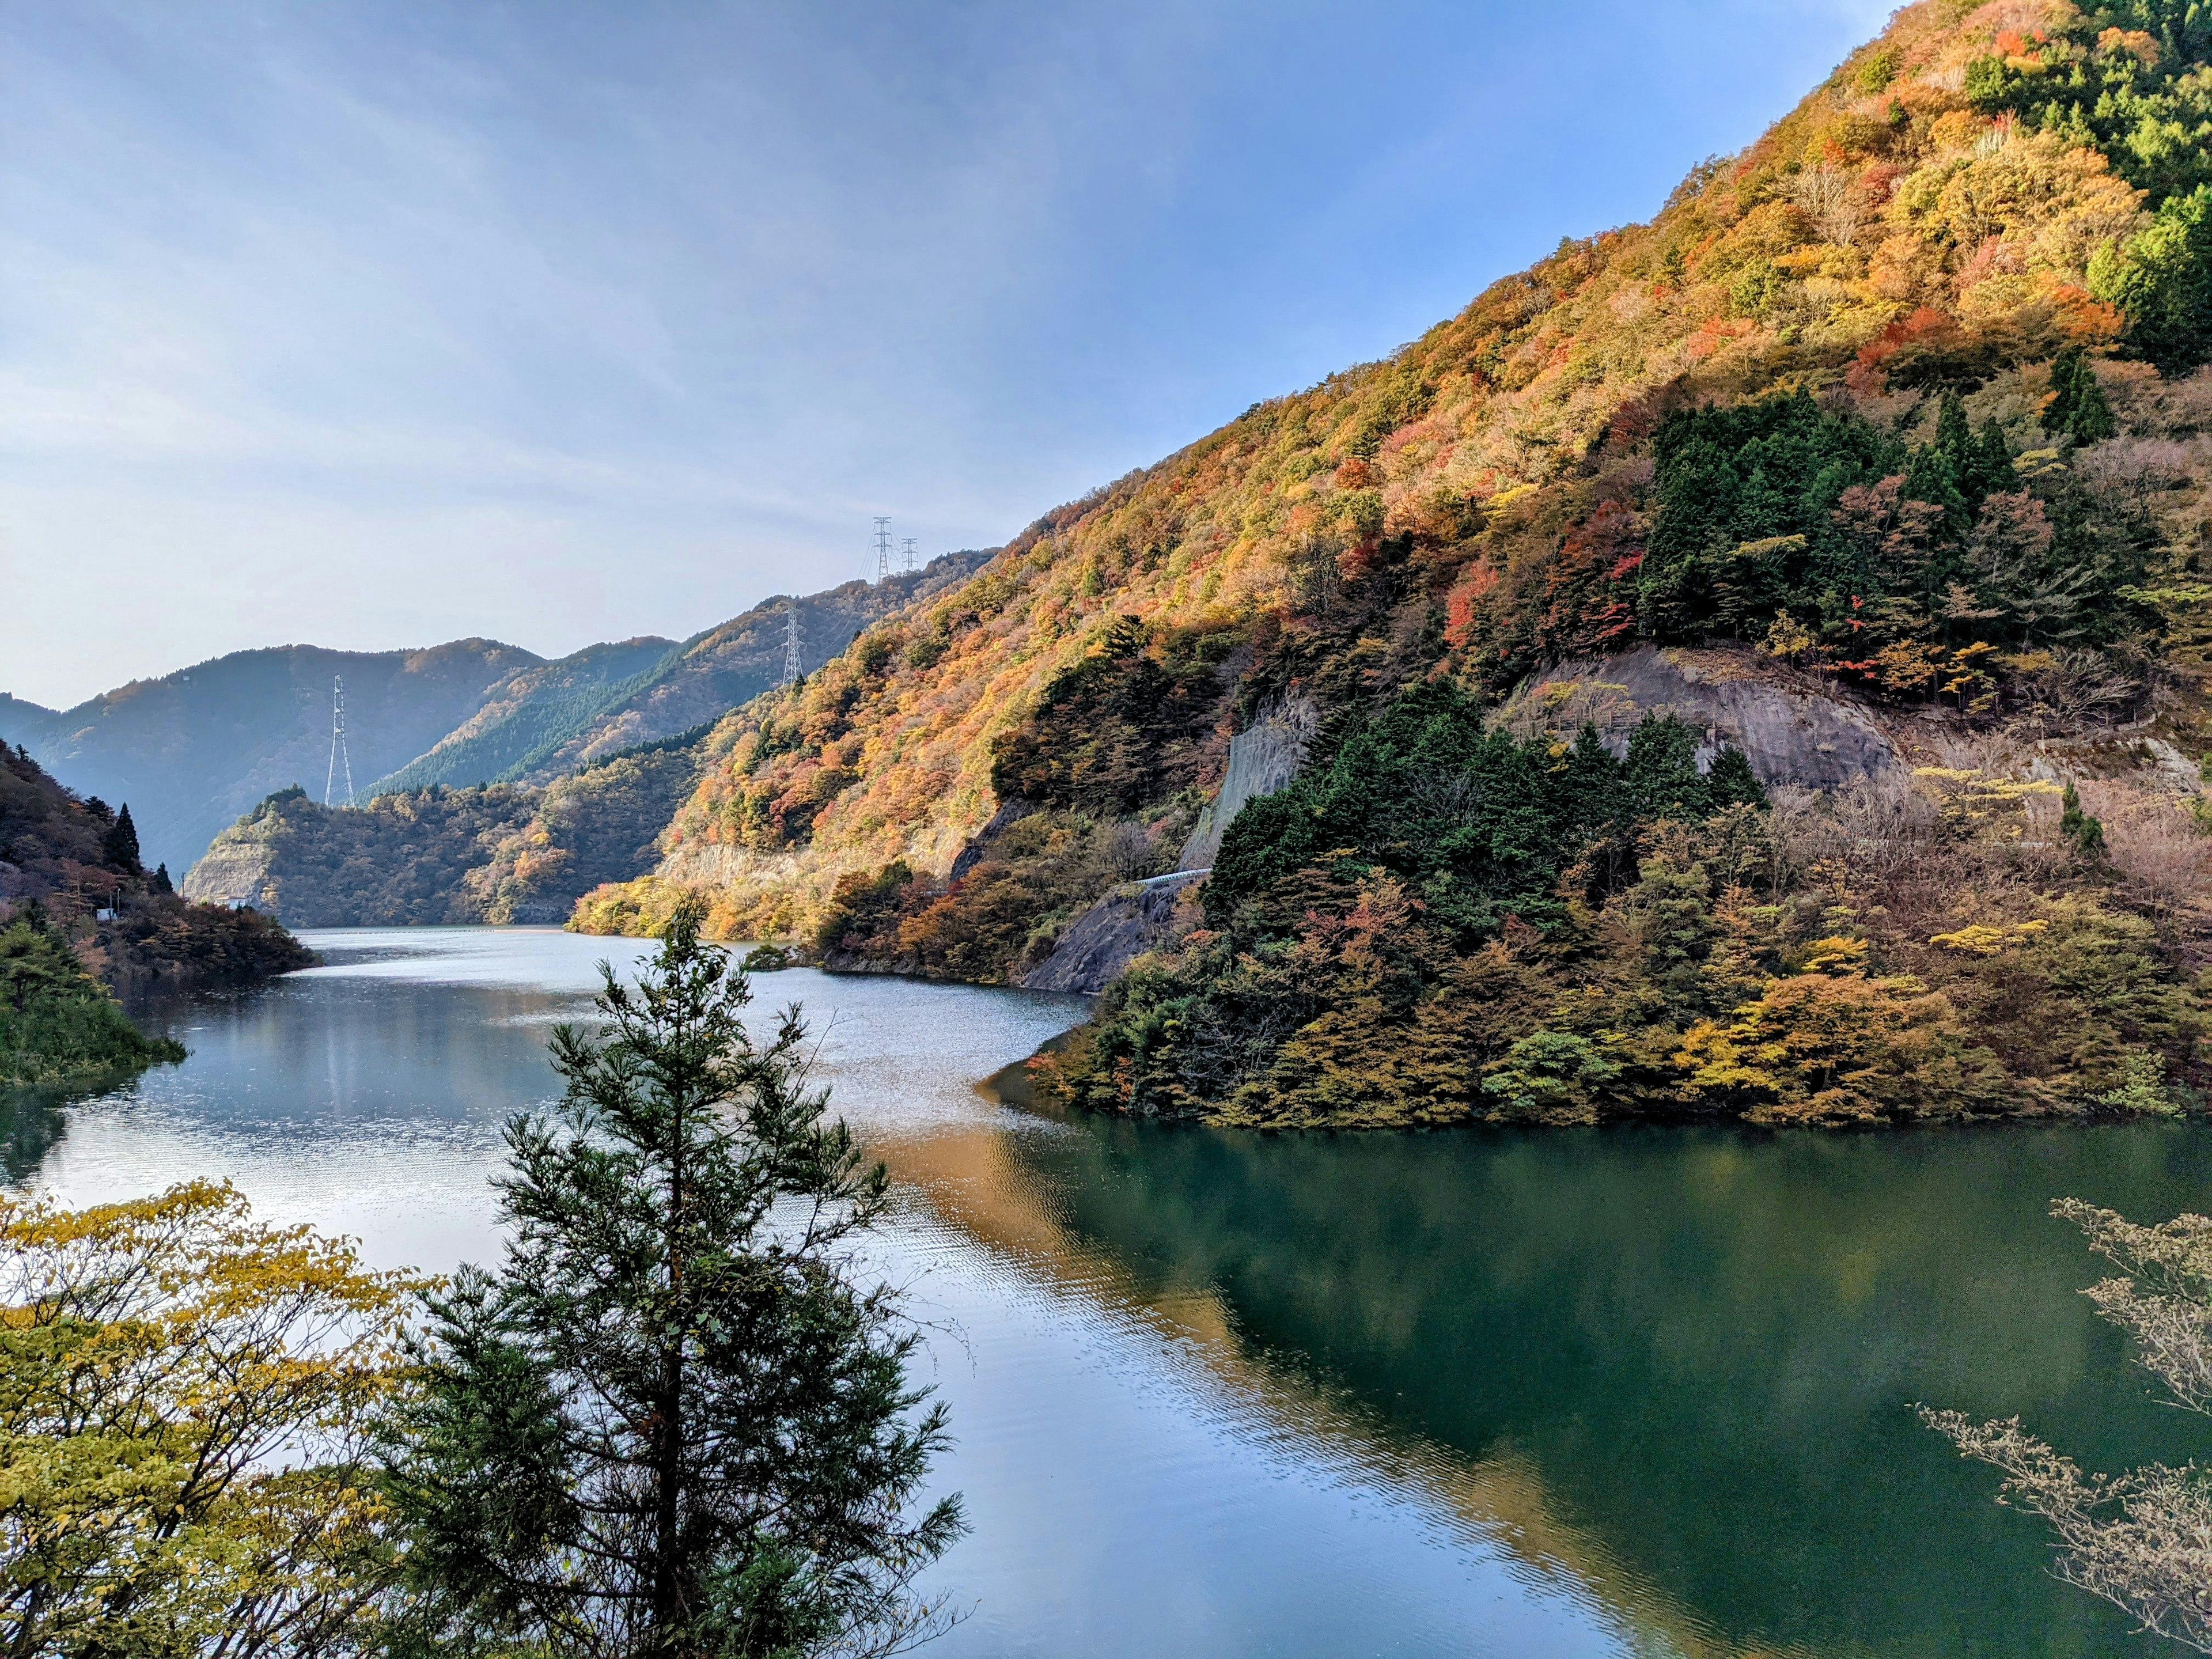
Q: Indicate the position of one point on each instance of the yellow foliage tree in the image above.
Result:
(1823, 1048)
(186, 1398)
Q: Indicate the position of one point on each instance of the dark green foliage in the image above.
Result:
(2153, 120)
(2077, 410)
(2163, 279)
(1780, 507)
(1479, 823)
(1360, 964)
(162, 883)
(120, 844)
(2084, 831)
(1734, 486)
(59, 1028)
(673, 1424)
(1119, 728)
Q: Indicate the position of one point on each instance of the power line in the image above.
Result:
(338, 753)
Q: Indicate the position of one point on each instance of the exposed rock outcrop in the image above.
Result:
(1261, 760)
(1804, 735)
(234, 872)
(1135, 918)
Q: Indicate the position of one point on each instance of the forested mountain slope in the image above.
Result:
(1902, 403)
(200, 747)
(81, 913)
(540, 708)
(194, 749)
(496, 852)
(731, 664)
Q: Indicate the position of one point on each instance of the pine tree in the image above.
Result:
(673, 1424)
(120, 844)
(2078, 409)
(2085, 832)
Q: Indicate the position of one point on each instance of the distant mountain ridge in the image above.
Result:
(728, 666)
(191, 751)
(544, 704)
(195, 751)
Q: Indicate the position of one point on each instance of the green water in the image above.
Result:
(1702, 1346)
(1622, 1393)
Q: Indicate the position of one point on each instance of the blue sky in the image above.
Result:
(376, 326)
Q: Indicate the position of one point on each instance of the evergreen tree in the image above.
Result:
(162, 883)
(2085, 832)
(2162, 278)
(120, 844)
(673, 1424)
(1993, 468)
(2078, 409)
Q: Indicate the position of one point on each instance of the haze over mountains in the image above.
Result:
(193, 751)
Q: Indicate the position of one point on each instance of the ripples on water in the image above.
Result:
(1569, 1394)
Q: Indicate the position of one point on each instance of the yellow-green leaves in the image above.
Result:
(185, 1399)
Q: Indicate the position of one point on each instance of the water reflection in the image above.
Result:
(1127, 1498)
(1219, 1394)
(30, 1123)
(1679, 1363)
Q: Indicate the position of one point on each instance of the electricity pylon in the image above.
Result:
(909, 556)
(792, 669)
(883, 547)
(338, 742)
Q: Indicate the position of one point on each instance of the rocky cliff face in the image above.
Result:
(1262, 758)
(235, 870)
(1101, 943)
(1793, 730)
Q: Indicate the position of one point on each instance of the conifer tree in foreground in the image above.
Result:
(674, 1423)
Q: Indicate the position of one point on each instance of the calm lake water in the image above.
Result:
(1590, 1393)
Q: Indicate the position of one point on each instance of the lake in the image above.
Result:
(1608, 1392)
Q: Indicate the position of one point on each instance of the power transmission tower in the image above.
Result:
(338, 754)
(909, 556)
(791, 670)
(883, 547)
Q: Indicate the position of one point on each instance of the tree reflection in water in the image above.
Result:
(1677, 1361)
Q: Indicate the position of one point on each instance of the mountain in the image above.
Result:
(1875, 464)
(541, 706)
(713, 672)
(508, 845)
(191, 751)
(496, 852)
(196, 749)
(20, 720)
(75, 862)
